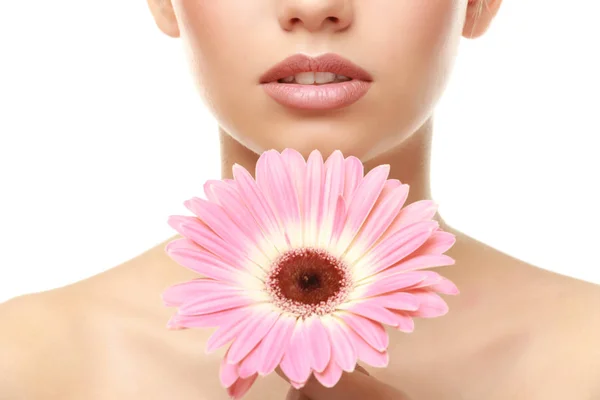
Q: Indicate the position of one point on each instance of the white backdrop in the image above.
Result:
(102, 137)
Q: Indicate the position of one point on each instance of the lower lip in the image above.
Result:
(329, 96)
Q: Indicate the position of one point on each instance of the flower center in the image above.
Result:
(308, 281)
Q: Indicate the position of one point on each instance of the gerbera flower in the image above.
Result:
(304, 265)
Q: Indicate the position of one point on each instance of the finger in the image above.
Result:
(352, 386)
(295, 394)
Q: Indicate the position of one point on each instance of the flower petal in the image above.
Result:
(381, 284)
(249, 365)
(313, 194)
(228, 373)
(354, 172)
(177, 294)
(259, 208)
(252, 334)
(319, 347)
(415, 263)
(241, 387)
(216, 302)
(432, 305)
(370, 331)
(362, 203)
(275, 343)
(397, 301)
(275, 182)
(333, 188)
(422, 210)
(405, 322)
(296, 360)
(395, 248)
(227, 195)
(386, 208)
(229, 329)
(297, 168)
(343, 351)
(368, 354)
(330, 376)
(369, 309)
(188, 254)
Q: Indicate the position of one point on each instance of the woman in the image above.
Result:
(515, 332)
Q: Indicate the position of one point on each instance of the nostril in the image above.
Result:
(294, 21)
(333, 19)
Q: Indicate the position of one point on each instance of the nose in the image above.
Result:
(316, 15)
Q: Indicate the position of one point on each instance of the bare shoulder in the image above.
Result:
(36, 343)
(569, 333)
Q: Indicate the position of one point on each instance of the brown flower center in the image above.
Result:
(308, 281)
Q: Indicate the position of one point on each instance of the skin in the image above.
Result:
(516, 331)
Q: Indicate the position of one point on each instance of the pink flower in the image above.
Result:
(304, 265)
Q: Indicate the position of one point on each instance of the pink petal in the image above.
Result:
(445, 286)
(251, 335)
(229, 329)
(216, 302)
(297, 385)
(178, 321)
(258, 206)
(297, 168)
(369, 309)
(421, 262)
(333, 189)
(178, 293)
(227, 196)
(397, 301)
(381, 284)
(354, 171)
(385, 210)
(397, 247)
(343, 351)
(422, 210)
(339, 221)
(319, 347)
(273, 346)
(190, 255)
(438, 243)
(370, 331)
(362, 203)
(241, 387)
(215, 217)
(432, 305)
(274, 180)
(330, 376)
(313, 195)
(228, 373)
(201, 239)
(368, 354)
(296, 360)
(405, 323)
(249, 365)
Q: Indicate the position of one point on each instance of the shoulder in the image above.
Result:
(569, 336)
(36, 343)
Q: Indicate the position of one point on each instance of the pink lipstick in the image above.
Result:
(326, 82)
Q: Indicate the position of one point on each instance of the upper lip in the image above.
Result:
(324, 63)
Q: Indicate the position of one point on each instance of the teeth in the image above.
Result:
(311, 78)
(324, 77)
(305, 78)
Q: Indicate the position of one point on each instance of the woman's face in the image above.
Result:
(406, 47)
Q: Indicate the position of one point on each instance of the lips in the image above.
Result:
(325, 63)
(327, 96)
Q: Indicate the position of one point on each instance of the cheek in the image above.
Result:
(415, 42)
(218, 44)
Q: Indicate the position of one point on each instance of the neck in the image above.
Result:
(409, 162)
